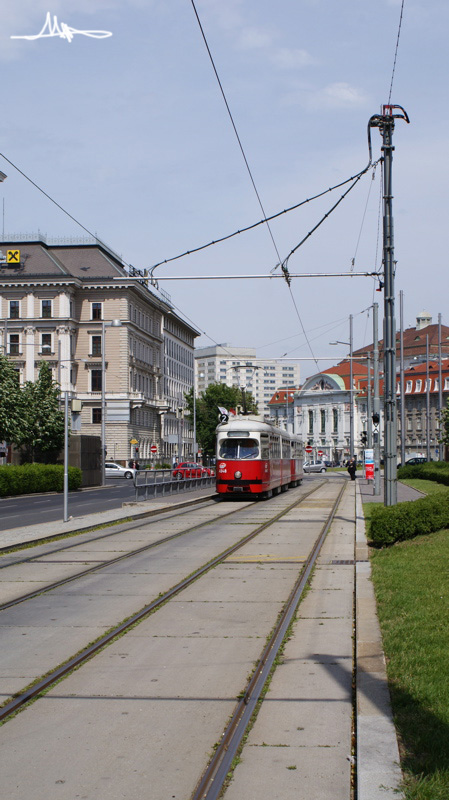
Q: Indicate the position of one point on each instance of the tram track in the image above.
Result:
(102, 564)
(214, 778)
(41, 685)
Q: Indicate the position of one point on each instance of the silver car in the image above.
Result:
(112, 470)
(314, 466)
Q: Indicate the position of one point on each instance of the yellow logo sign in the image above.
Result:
(13, 256)
(133, 441)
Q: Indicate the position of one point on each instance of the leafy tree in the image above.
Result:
(42, 429)
(207, 414)
(9, 401)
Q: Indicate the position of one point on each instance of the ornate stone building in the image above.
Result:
(57, 302)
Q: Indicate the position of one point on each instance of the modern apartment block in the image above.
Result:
(239, 366)
(57, 303)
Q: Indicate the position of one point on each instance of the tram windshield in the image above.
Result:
(238, 448)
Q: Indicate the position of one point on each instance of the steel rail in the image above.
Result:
(137, 520)
(56, 584)
(22, 698)
(212, 781)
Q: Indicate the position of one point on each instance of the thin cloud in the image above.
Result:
(340, 95)
(292, 58)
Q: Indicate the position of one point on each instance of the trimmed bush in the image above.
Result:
(391, 524)
(437, 471)
(32, 478)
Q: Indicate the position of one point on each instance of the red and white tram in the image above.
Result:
(254, 457)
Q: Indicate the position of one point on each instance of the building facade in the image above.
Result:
(323, 412)
(239, 366)
(57, 304)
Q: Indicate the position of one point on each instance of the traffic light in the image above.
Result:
(364, 438)
(376, 419)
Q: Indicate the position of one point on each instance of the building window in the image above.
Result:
(97, 311)
(96, 416)
(418, 386)
(408, 386)
(46, 344)
(46, 309)
(323, 420)
(14, 344)
(335, 420)
(95, 380)
(14, 309)
(96, 346)
(310, 421)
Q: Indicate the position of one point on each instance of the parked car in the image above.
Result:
(190, 469)
(117, 471)
(314, 466)
(416, 460)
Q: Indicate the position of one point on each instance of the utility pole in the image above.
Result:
(440, 392)
(401, 381)
(351, 392)
(385, 123)
(427, 401)
(376, 401)
(369, 415)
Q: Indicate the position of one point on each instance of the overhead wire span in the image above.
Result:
(235, 128)
(283, 265)
(396, 52)
(256, 224)
(58, 205)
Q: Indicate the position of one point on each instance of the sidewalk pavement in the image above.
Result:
(405, 492)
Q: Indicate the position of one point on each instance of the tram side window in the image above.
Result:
(238, 448)
(286, 448)
(264, 446)
(297, 449)
(275, 447)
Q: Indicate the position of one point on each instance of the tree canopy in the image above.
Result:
(30, 416)
(207, 413)
(9, 401)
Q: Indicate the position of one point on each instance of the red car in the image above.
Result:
(189, 469)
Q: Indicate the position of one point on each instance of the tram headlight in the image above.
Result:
(237, 474)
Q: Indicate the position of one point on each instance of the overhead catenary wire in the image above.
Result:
(234, 127)
(256, 224)
(396, 52)
(283, 265)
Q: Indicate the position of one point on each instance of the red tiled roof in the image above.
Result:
(415, 341)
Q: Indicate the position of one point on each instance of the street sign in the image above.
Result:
(320, 453)
(308, 449)
(153, 448)
(133, 441)
(369, 464)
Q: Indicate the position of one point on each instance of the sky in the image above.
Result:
(131, 135)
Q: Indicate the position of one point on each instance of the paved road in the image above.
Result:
(18, 511)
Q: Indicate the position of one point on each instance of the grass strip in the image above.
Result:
(411, 581)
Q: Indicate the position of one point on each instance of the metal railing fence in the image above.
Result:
(151, 483)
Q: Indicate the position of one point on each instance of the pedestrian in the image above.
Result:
(352, 467)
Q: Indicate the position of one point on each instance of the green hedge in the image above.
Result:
(31, 478)
(433, 471)
(391, 524)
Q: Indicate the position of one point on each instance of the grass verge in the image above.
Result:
(411, 581)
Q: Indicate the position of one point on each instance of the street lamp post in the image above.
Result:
(195, 451)
(351, 390)
(115, 323)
